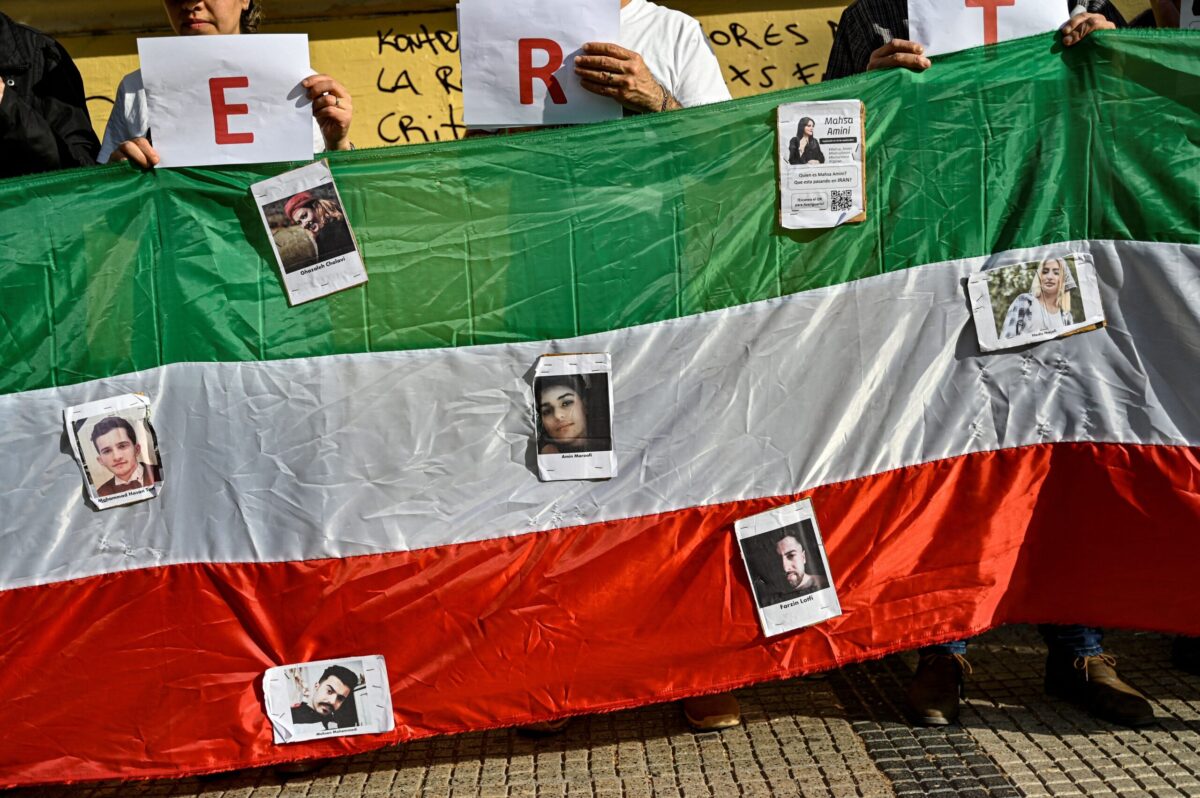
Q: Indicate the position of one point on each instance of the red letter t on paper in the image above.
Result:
(528, 72)
(989, 16)
(223, 110)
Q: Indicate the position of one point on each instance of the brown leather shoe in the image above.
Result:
(935, 689)
(712, 712)
(1092, 683)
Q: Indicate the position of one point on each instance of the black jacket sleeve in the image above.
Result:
(1108, 10)
(52, 129)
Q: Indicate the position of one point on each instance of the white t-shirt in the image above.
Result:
(131, 118)
(1043, 320)
(676, 50)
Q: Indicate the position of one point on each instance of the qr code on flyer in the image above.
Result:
(841, 200)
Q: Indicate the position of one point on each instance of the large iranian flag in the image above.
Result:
(353, 476)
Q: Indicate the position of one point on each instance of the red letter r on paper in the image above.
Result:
(527, 71)
(989, 16)
(223, 110)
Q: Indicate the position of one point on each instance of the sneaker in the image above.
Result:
(1092, 684)
(712, 712)
(935, 689)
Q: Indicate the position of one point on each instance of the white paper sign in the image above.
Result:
(310, 232)
(1032, 301)
(573, 409)
(945, 26)
(1189, 15)
(789, 572)
(329, 698)
(820, 164)
(518, 61)
(228, 99)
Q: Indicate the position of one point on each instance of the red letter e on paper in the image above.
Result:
(223, 110)
(527, 71)
(990, 9)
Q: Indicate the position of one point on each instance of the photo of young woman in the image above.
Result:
(1046, 307)
(572, 413)
(804, 148)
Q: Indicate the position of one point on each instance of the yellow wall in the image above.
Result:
(394, 65)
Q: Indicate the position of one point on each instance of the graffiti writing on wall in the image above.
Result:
(771, 54)
(433, 78)
(405, 77)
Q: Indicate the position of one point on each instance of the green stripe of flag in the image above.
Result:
(563, 232)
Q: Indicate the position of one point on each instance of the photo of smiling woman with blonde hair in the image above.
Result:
(1046, 307)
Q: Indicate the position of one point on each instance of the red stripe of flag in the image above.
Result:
(157, 672)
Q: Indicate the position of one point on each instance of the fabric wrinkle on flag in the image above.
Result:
(352, 475)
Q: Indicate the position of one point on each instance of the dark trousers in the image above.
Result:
(1067, 640)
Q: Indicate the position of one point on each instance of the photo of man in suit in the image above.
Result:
(118, 451)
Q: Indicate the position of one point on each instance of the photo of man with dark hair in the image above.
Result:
(330, 701)
(785, 565)
(328, 698)
(118, 450)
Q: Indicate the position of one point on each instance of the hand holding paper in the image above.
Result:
(139, 150)
(1081, 25)
(899, 53)
(333, 109)
(612, 71)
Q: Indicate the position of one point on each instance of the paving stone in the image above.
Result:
(841, 735)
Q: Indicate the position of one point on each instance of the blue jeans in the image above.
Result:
(1069, 640)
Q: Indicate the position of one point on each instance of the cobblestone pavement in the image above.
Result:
(837, 734)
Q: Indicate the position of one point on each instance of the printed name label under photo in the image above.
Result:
(116, 449)
(789, 572)
(573, 408)
(821, 175)
(329, 698)
(228, 99)
(310, 234)
(1023, 303)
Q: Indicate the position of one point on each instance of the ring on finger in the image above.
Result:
(337, 101)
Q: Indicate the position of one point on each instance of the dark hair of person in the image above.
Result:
(804, 122)
(107, 425)
(792, 531)
(252, 17)
(762, 555)
(572, 381)
(344, 675)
